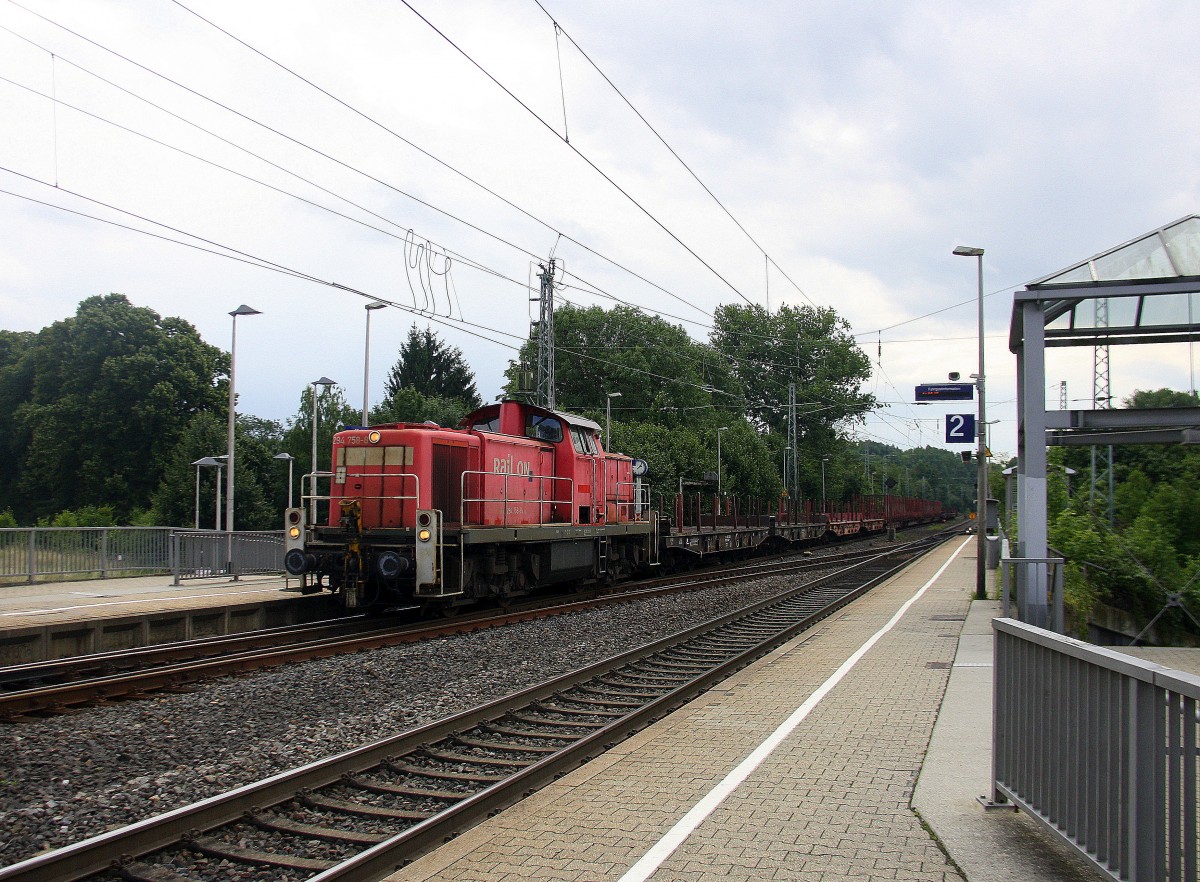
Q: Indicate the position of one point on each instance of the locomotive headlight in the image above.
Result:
(424, 535)
(374, 437)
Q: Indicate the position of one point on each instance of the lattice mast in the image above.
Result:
(545, 336)
(1101, 492)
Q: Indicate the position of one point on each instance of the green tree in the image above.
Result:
(434, 369)
(261, 481)
(809, 346)
(110, 392)
(333, 414)
(16, 389)
(408, 405)
(662, 374)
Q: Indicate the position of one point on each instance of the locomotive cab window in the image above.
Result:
(544, 428)
(492, 425)
(583, 441)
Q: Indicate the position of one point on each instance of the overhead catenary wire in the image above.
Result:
(221, 250)
(578, 153)
(429, 155)
(559, 29)
(596, 290)
(302, 144)
(422, 284)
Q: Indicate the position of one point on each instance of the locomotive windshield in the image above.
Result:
(584, 441)
(544, 428)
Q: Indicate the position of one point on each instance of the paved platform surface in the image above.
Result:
(801, 767)
(58, 602)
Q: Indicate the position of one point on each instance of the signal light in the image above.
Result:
(293, 533)
(966, 456)
(424, 535)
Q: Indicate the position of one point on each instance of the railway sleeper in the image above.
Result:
(601, 701)
(667, 682)
(451, 756)
(447, 775)
(138, 871)
(329, 804)
(526, 717)
(279, 824)
(414, 772)
(668, 665)
(507, 745)
(647, 689)
(580, 711)
(374, 786)
(567, 737)
(230, 852)
(614, 692)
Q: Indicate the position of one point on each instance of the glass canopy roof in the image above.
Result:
(1144, 291)
(1166, 253)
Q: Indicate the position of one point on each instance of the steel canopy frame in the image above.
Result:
(1153, 280)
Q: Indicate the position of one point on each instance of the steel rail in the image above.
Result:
(265, 650)
(98, 853)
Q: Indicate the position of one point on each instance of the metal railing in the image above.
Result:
(28, 553)
(551, 504)
(1037, 583)
(312, 501)
(1100, 747)
(203, 554)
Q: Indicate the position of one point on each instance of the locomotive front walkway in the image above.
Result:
(801, 767)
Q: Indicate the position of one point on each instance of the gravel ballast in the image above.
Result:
(67, 778)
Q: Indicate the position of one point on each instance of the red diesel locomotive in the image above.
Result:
(518, 498)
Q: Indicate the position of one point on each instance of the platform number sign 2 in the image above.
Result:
(960, 428)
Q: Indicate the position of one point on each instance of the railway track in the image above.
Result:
(360, 814)
(28, 692)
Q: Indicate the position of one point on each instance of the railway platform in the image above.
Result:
(857, 751)
(56, 619)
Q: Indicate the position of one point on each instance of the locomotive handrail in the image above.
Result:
(414, 497)
(541, 501)
(638, 503)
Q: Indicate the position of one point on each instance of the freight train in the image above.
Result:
(517, 498)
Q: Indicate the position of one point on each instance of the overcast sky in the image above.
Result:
(855, 143)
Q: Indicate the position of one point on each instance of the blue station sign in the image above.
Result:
(946, 392)
(960, 428)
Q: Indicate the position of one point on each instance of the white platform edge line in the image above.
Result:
(677, 835)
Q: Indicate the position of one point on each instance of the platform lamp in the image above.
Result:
(824, 459)
(312, 485)
(209, 462)
(370, 307)
(719, 431)
(608, 418)
(981, 477)
(241, 310)
(290, 459)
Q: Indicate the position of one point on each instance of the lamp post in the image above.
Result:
(608, 418)
(208, 462)
(824, 459)
(312, 484)
(290, 459)
(370, 307)
(241, 310)
(719, 431)
(981, 453)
